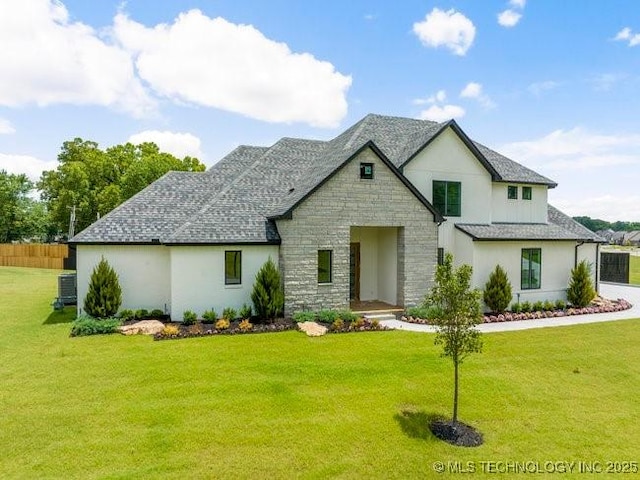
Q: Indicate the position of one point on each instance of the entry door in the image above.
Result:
(354, 271)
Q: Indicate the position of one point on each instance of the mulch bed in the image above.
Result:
(458, 433)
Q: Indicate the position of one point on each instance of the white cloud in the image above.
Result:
(439, 97)
(177, 144)
(474, 90)
(438, 113)
(47, 59)
(216, 63)
(370, 16)
(509, 18)
(5, 127)
(518, 3)
(605, 81)
(31, 166)
(605, 207)
(450, 29)
(576, 149)
(538, 88)
(626, 34)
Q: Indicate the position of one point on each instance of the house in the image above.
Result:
(365, 216)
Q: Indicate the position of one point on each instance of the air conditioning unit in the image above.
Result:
(67, 290)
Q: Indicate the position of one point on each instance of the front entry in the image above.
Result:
(354, 271)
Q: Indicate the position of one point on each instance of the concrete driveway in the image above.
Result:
(607, 290)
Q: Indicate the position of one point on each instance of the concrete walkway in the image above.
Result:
(607, 290)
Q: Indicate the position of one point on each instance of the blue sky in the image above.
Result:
(553, 84)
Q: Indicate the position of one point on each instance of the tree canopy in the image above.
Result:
(595, 224)
(96, 181)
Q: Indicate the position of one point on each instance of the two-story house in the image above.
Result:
(365, 216)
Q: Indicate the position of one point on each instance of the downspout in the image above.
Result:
(575, 255)
(597, 264)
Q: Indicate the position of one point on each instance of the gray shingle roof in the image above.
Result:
(560, 227)
(236, 200)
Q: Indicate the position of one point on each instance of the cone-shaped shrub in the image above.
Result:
(267, 296)
(497, 291)
(581, 291)
(105, 295)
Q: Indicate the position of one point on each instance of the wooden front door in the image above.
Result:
(354, 271)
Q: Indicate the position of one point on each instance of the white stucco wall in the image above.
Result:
(519, 210)
(144, 272)
(447, 158)
(197, 281)
(557, 261)
(388, 265)
(589, 252)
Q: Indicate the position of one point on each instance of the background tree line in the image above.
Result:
(95, 181)
(595, 224)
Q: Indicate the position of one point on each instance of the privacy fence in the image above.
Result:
(36, 255)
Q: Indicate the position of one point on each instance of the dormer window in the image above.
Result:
(366, 171)
(512, 192)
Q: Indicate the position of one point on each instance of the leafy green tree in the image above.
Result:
(497, 291)
(460, 313)
(581, 291)
(104, 296)
(97, 181)
(267, 295)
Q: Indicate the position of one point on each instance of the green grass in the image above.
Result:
(284, 405)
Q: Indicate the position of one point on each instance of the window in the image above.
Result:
(366, 171)
(440, 256)
(526, 193)
(325, 266)
(512, 192)
(233, 267)
(447, 198)
(531, 268)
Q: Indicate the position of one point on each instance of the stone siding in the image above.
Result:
(323, 221)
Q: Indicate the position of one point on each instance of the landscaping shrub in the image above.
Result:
(222, 324)
(141, 314)
(245, 326)
(156, 313)
(497, 291)
(426, 313)
(245, 311)
(327, 316)
(229, 313)
(538, 306)
(304, 316)
(549, 306)
(337, 325)
(105, 295)
(170, 330)
(87, 325)
(516, 308)
(561, 304)
(581, 291)
(189, 317)
(267, 295)
(126, 315)
(525, 307)
(347, 315)
(357, 323)
(209, 316)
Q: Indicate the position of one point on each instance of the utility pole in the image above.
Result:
(72, 222)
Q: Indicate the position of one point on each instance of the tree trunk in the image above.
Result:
(455, 392)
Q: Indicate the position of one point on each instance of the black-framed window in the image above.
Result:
(531, 272)
(512, 192)
(325, 266)
(440, 256)
(366, 171)
(447, 198)
(526, 193)
(232, 267)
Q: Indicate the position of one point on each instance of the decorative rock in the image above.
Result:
(145, 327)
(312, 329)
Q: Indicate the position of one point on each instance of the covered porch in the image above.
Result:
(374, 262)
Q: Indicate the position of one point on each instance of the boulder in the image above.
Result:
(312, 329)
(145, 327)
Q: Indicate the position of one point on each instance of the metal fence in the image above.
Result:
(614, 267)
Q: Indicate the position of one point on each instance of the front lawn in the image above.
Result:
(284, 405)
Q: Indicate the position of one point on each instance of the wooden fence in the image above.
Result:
(33, 255)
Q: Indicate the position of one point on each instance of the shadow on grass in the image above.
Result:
(66, 315)
(415, 423)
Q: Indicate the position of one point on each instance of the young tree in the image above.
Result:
(497, 290)
(461, 312)
(267, 296)
(581, 291)
(105, 295)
